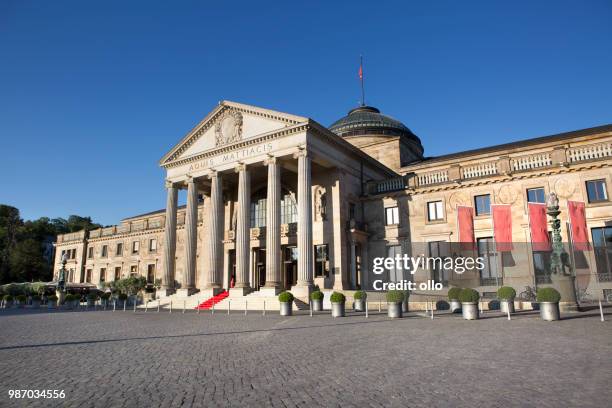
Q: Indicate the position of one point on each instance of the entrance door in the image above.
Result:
(259, 256)
(232, 268)
(290, 255)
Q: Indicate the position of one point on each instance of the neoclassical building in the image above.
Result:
(276, 202)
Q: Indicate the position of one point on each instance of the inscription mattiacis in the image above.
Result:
(233, 156)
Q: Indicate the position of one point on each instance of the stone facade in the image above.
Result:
(264, 187)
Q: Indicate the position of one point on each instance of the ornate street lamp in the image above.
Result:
(558, 254)
(61, 280)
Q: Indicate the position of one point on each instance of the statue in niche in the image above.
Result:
(320, 204)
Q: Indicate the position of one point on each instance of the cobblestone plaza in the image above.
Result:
(126, 359)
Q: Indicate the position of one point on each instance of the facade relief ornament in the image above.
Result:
(507, 194)
(228, 128)
(458, 199)
(564, 188)
(320, 203)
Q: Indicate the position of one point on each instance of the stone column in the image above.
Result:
(304, 232)
(170, 241)
(243, 232)
(273, 218)
(353, 261)
(214, 263)
(191, 238)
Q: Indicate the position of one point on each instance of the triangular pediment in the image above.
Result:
(228, 123)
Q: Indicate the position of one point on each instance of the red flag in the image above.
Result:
(465, 222)
(578, 226)
(502, 227)
(360, 71)
(538, 226)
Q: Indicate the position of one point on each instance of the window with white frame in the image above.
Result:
(435, 211)
(391, 216)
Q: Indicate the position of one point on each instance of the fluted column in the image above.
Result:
(304, 232)
(243, 228)
(191, 230)
(215, 224)
(170, 239)
(273, 215)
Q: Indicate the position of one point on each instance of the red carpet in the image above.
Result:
(207, 304)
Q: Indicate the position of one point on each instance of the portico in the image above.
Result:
(257, 171)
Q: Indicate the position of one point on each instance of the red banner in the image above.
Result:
(465, 222)
(538, 225)
(578, 226)
(502, 227)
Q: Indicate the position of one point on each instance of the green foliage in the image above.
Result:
(337, 297)
(506, 293)
(131, 285)
(21, 298)
(395, 296)
(453, 293)
(548, 295)
(122, 296)
(468, 295)
(316, 295)
(360, 295)
(8, 298)
(52, 298)
(92, 296)
(285, 297)
(105, 296)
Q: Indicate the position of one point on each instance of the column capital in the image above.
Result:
(302, 152)
(240, 167)
(169, 184)
(270, 160)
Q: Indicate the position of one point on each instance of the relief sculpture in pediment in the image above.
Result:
(228, 128)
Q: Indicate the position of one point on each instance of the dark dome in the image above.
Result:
(367, 120)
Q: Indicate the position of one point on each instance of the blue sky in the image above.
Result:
(92, 94)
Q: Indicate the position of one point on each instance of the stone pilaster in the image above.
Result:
(170, 241)
(273, 215)
(214, 263)
(191, 236)
(304, 232)
(243, 229)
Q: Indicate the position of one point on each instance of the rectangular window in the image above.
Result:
(483, 204)
(596, 191)
(351, 211)
(395, 275)
(435, 211)
(134, 270)
(391, 216)
(104, 251)
(151, 273)
(88, 276)
(90, 252)
(488, 274)
(117, 273)
(102, 275)
(119, 251)
(135, 247)
(602, 248)
(439, 250)
(321, 259)
(536, 195)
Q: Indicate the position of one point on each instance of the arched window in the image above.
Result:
(258, 209)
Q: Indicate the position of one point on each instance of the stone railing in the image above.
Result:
(433, 177)
(393, 184)
(72, 236)
(589, 152)
(532, 161)
(479, 170)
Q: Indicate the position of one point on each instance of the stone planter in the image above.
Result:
(286, 308)
(317, 305)
(549, 311)
(506, 305)
(338, 310)
(51, 304)
(395, 310)
(470, 311)
(359, 305)
(405, 306)
(455, 306)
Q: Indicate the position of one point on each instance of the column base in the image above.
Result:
(270, 290)
(161, 293)
(239, 292)
(210, 292)
(302, 291)
(186, 292)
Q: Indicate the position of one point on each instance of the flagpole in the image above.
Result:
(361, 78)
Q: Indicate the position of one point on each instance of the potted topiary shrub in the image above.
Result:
(506, 295)
(360, 297)
(76, 300)
(91, 299)
(286, 303)
(35, 301)
(122, 297)
(316, 298)
(548, 299)
(405, 302)
(453, 299)
(21, 300)
(338, 300)
(395, 298)
(52, 302)
(104, 299)
(469, 303)
(8, 301)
